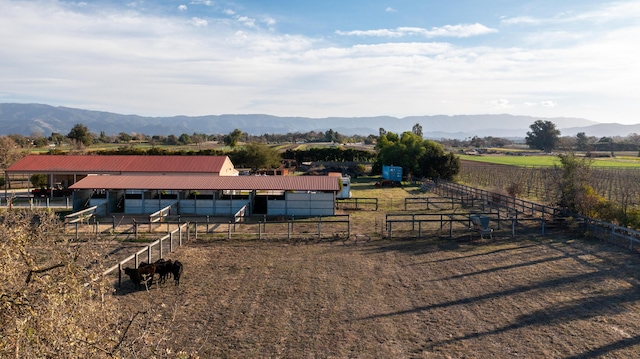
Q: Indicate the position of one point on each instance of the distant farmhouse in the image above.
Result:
(191, 185)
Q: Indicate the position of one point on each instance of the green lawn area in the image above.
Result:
(549, 160)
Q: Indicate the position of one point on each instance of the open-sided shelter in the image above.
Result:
(193, 185)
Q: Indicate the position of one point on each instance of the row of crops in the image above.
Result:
(619, 185)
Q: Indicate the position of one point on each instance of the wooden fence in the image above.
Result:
(520, 209)
(153, 251)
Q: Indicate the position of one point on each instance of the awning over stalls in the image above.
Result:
(214, 183)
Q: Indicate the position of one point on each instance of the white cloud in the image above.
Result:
(462, 30)
(269, 21)
(617, 11)
(500, 103)
(182, 7)
(228, 12)
(390, 9)
(196, 21)
(246, 21)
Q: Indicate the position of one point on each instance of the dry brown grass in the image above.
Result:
(532, 298)
(528, 296)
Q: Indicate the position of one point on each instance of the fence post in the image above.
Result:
(319, 228)
(168, 228)
(259, 231)
(187, 227)
(207, 223)
(76, 231)
(114, 223)
(288, 230)
(349, 226)
(195, 229)
(229, 231)
(419, 229)
(135, 229)
(389, 229)
(148, 254)
(119, 275)
(161, 251)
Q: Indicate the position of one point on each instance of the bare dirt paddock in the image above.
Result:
(438, 298)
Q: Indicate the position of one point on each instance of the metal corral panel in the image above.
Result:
(211, 207)
(303, 204)
(101, 203)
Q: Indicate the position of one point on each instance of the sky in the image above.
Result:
(356, 58)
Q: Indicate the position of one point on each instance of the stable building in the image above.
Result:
(209, 195)
(190, 185)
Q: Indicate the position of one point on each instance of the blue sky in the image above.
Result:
(325, 58)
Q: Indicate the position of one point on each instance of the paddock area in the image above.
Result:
(534, 297)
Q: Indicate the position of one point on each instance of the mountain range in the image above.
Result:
(29, 119)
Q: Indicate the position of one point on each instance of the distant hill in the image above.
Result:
(27, 119)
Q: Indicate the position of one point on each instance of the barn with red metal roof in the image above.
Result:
(192, 185)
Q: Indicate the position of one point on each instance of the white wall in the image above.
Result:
(303, 204)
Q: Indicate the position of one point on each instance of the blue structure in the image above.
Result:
(392, 173)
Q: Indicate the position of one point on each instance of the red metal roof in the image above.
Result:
(186, 182)
(118, 164)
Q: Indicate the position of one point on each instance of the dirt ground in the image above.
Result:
(523, 297)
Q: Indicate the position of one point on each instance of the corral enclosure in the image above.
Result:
(555, 296)
(433, 298)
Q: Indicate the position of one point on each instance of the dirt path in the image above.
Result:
(534, 298)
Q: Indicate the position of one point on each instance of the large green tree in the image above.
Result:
(418, 157)
(233, 138)
(543, 136)
(80, 133)
(255, 155)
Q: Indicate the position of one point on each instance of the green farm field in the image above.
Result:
(550, 160)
